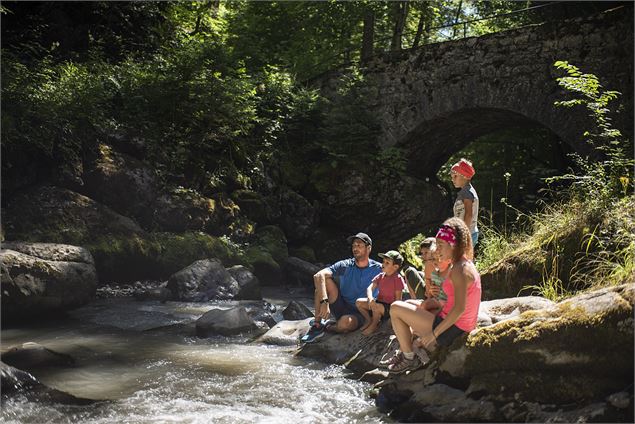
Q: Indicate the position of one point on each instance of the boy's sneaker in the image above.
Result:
(314, 333)
(388, 359)
(405, 364)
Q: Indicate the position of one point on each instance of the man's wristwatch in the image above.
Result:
(324, 300)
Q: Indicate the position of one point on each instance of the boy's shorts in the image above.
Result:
(339, 308)
(386, 314)
(447, 337)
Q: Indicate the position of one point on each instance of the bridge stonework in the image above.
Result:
(435, 100)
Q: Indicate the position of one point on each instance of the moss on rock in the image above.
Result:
(587, 337)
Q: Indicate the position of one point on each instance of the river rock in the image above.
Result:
(286, 333)
(358, 352)
(31, 355)
(34, 286)
(51, 251)
(247, 281)
(296, 311)
(203, 280)
(222, 322)
(15, 381)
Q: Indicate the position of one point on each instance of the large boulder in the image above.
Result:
(247, 281)
(299, 272)
(34, 285)
(267, 251)
(121, 182)
(58, 215)
(296, 311)
(537, 364)
(223, 322)
(203, 280)
(184, 210)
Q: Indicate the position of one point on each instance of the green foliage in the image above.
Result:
(587, 235)
(609, 172)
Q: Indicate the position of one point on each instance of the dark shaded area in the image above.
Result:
(71, 29)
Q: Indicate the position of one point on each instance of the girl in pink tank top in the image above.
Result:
(459, 314)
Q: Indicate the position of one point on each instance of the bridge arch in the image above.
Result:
(431, 143)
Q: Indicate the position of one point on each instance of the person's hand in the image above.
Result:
(370, 301)
(433, 290)
(428, 341)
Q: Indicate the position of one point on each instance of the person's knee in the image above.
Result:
(346, 324)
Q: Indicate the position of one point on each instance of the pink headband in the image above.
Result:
(464, 168)
(448, 234)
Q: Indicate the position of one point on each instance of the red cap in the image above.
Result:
(464, 168)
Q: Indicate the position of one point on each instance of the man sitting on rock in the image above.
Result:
(355, 275)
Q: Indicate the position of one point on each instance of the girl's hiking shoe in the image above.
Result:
(315, 332)
(404, 364)
(389, 360)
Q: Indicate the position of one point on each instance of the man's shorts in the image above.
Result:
(447, 337)
(339, 308)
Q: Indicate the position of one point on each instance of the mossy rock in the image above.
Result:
(251, 204)
(124, 258)
(263, 265)
(158, 255)
(584, 339)
(306, 253)
(179, 250)
(272, 239)
(57, 215)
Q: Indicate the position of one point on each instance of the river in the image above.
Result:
(147, 373)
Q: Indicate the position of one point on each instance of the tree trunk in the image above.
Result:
(422, 19)
(368, 37)
(456, 19)
(401, 12)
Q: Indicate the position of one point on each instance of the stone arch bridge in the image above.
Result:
(435, 100)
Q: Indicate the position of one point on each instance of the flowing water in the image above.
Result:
(145, 372)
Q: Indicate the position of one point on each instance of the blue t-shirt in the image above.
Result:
(354, 280)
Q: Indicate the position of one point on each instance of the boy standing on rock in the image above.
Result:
(355, 275)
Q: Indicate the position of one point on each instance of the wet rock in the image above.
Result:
(15, 381)
(296, 311)
(286, 333)
(441, 403)
(31, 355)
(203, 280)
(225, 322)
